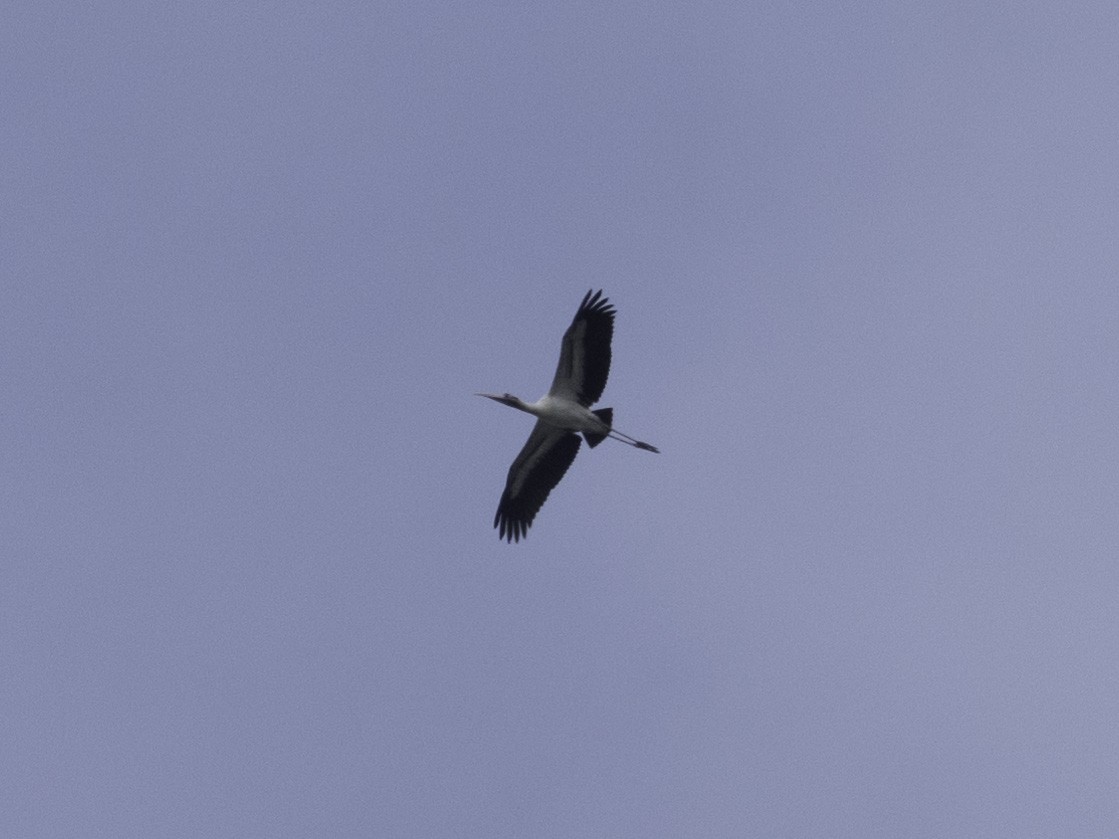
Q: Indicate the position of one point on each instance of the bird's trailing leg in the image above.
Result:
(629, 441)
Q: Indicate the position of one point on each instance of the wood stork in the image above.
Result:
(561, 416)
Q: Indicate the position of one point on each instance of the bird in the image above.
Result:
(562, 414)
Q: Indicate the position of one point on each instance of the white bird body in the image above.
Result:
(562, 414)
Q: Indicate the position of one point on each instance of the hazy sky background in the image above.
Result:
(257, 257)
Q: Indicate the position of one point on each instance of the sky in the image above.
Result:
(256, 261)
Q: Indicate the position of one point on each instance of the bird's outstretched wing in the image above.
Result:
(584, 363)
(538, 468)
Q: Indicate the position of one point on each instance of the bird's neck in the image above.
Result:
(521, 405)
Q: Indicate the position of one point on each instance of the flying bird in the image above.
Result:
(561, 415)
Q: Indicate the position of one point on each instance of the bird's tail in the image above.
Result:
(607, 416)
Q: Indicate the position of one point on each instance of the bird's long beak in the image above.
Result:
(504, 399)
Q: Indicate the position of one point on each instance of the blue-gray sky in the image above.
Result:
(257, 258)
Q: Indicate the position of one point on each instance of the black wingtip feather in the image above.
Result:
(594, 302)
